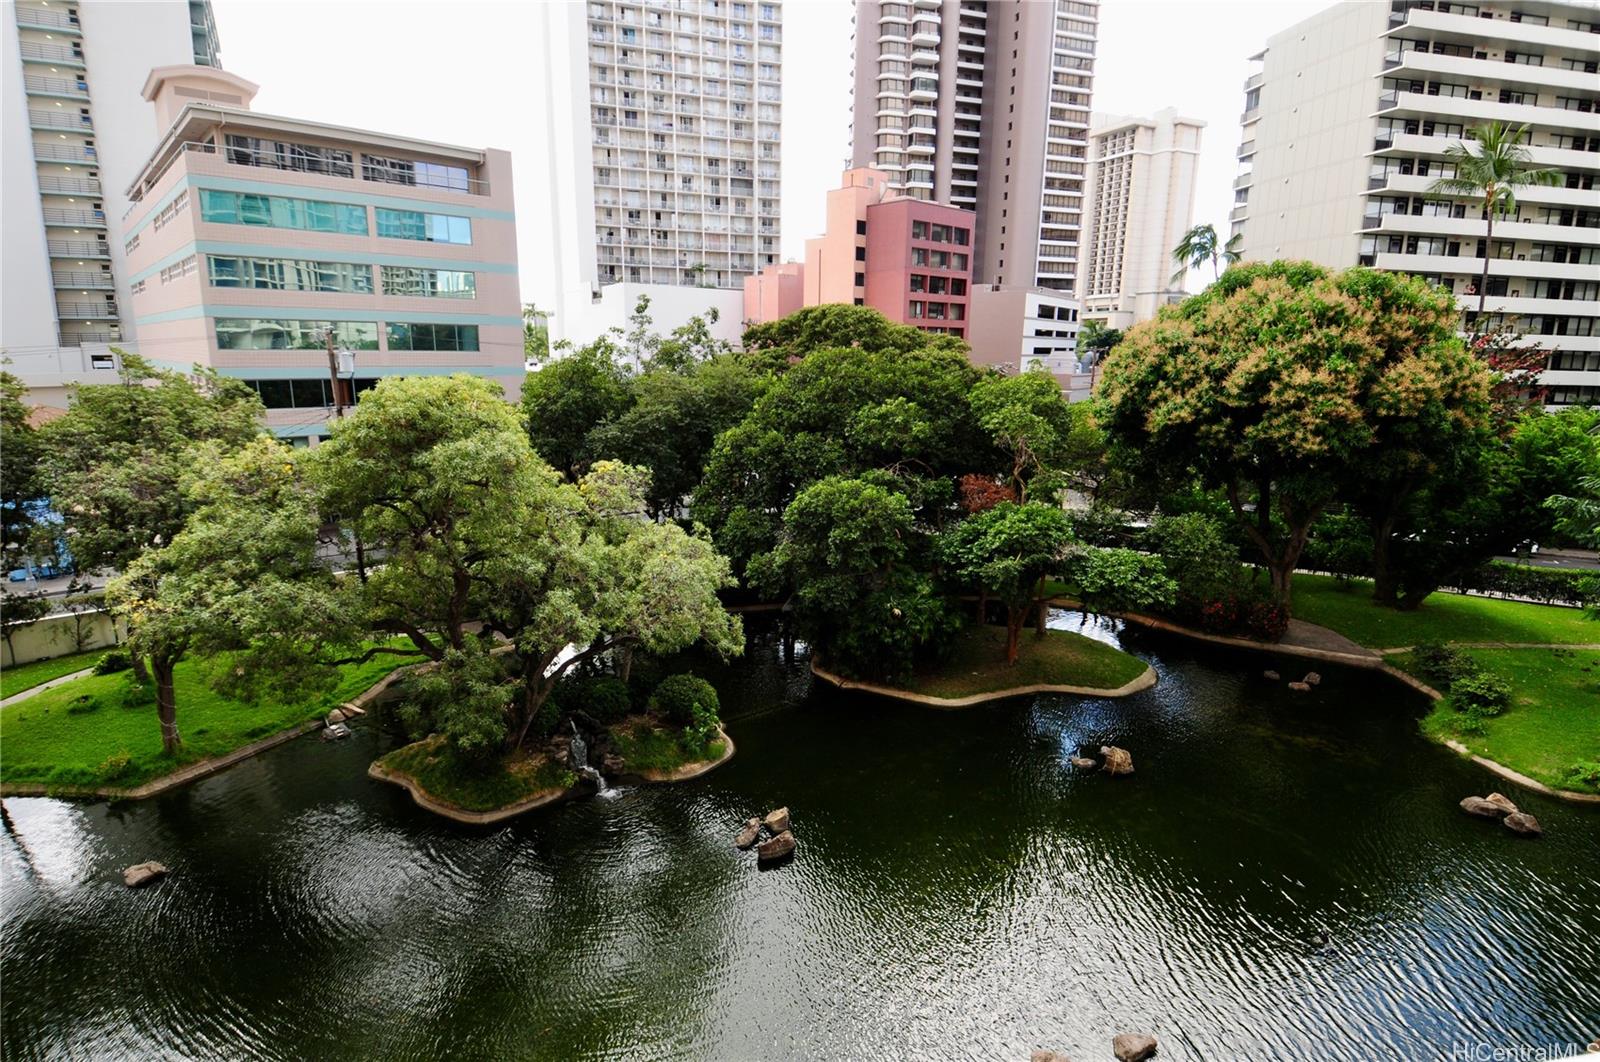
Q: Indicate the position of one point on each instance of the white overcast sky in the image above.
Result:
(469, 72)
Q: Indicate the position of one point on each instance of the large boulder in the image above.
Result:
(777, 821)
(775, 848)
(1084, 762)
(611, 764)
(747, 836)
(335, 717)
(1312, 678)
(141, 874)
(1484, 809)
(1300, 687)
(1520, 822)
(1117, 761)
(1502, 802)
(1133, 1047)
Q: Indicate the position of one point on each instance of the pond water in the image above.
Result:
(961, 891)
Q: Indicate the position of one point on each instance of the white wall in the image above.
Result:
(54, 636)
(581, 320)
(27, 300)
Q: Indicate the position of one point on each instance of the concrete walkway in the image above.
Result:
(41, 687)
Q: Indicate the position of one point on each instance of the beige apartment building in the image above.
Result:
(1345, 129)
(984, 104)
(1140, 203)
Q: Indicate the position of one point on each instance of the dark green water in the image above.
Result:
(960, 892)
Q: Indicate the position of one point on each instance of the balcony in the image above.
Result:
(66, 216)
(87, 311)
(81, 280)
(62, 119)
(65, 153)
(1487, 72)
(30, 17)
(1247, 149)
(50, 53)
(41, 85)
(77, 249)
(70, 185)
(1467, 29)
(1472, 112)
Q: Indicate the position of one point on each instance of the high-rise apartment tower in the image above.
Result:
(74, 131)
(665, 119)
(984, 105)
(1346, 128)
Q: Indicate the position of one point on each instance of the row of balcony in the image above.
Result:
(104, 310)
(50, 53)
(44, 85)
(688, 88)
(1475, 110)
(82, 279)
(62, 119)
(30, 16)
(86, 218)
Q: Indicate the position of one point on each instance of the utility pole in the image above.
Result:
(333, 376)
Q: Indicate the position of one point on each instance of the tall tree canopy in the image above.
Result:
(566, 397)
(114, 464)
(19, 467)
(777, 344)
(1282, 384)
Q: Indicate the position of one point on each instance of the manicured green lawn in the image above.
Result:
(476, 787)
(1441, 617)
(21, 677)
(77, 733)
(649, 745)
(977, 664)
(1553, 721)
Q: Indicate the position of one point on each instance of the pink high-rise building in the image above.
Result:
(910, 259)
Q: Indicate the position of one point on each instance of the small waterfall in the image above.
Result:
(580, 760)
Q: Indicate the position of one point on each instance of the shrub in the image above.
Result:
(1443, 663)
(1585, 772)
(114, 660)
(677, 696)
(701, 731)
(1196, 552)
(83, 704)
(604, 698)
(1480, 693)
(1267, 621)
(115, 766)
(1220, 615)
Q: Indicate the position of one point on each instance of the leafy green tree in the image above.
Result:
(1551, 455)
(1201, 245)
(566, 397)
(535, 332)
(847, 557)
(19, 463)
(482, 540)
(230, 576)
(844, 411)
(1116, 580)
(1032, 422)
(776, 345)
(672, 422)
(1282, 384)
(114, 464)
(1009, 550)
(689, 345)
(1094, 337)
(1489, 169)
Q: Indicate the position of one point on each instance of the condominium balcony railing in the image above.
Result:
(29, 16)
(80, 279)
(78, 249)
(66, 152)
(62, 119)
(86, 311)
(68, 216)
(70, 185)
(50, 53)
(61, 86)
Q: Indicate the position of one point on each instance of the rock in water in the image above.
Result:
(1480, 807)
(1118, 761)
(748, 835)
(1048, 1056)
(335, 717)
(1312, 678)
(777, 821)
(775, 848)
(143, 874)
(1084, 761)
(1502, 802)
(1522, 823)
(1133, 1047)
(1271, 676)
(335, 732)
(1299, 687)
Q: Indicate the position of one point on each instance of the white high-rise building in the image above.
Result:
(1345, 130)
(74, 130)
(666, 119)
(984, 104)
(1141, 202)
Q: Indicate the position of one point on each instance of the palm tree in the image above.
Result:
(1491, 174)
(1199, 246)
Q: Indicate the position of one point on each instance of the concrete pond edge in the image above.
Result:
(1144, 681)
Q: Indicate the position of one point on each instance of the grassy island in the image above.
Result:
(100, 730)
(975, 668)
(445, 778)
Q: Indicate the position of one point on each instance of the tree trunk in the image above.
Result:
(1282, 580)
(166, 704)
(141, 674)
(1488, 243)
(1383, 580)
(625, 664)
(1014, 618)
(1041, 611)
(983, 604)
